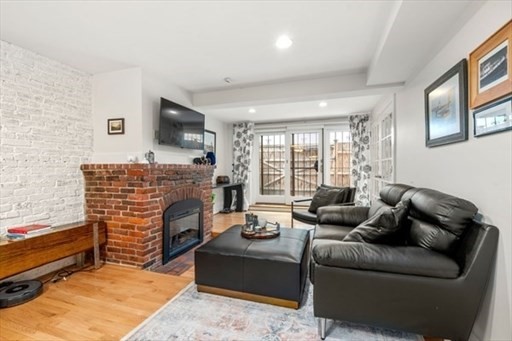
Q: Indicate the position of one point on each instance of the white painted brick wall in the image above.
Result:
(45, 134)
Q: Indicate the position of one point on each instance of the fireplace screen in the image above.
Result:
(183, 228)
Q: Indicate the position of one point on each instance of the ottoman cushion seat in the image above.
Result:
(271, 267)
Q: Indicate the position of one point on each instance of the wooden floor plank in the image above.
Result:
(102, 305)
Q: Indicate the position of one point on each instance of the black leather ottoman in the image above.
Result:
(270, 271)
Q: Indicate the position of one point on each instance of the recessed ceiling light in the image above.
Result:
(252, 111)
(322, 104)
(283, 42)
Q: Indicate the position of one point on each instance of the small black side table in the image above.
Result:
(228, 196)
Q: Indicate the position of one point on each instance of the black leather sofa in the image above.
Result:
(417, 285)
(307, 216)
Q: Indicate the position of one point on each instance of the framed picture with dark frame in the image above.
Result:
(490, 68)
(115, 126)
(210, 141)
(493, 118)
(446, 108)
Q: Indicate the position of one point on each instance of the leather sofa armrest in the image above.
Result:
(344, 204)
(299, 200)
(409, 260)
(302, 200)
(342, 215)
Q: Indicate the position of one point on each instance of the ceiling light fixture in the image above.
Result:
(252, 111)
(322, 104)
(283, 42)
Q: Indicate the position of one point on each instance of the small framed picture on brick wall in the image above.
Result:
(115, 126)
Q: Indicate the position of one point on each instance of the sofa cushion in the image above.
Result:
(349, 192)
(327, 196)
(342, 215)
(409, 260)
(304, 216)
(383, 227)
(438, 220)
(392, 194)
(332, 232)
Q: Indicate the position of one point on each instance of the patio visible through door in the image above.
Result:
(289, 165)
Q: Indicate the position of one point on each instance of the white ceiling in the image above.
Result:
(196, 44)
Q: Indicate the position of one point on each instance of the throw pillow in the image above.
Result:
(382, 226)
(325, 197)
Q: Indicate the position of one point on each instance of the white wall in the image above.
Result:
(46, 133)
(117, 95)
(479, 169)
(134, 95)
(152, 89)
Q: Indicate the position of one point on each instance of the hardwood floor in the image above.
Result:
(104, 304)
(107, 303)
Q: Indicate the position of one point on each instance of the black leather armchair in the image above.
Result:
(302, 214)
(407, 286)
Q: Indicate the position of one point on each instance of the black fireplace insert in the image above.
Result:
(183, 228)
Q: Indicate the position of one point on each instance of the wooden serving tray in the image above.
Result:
(263, 234)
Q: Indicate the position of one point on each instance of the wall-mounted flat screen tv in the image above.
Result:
(180, 126)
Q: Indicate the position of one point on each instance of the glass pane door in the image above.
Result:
(337, 161)
(271, 168)
(304, 163)
(382, 148)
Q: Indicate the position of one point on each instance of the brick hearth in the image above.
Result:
(131, 199)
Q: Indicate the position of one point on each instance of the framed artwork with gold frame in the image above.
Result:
(490, 68)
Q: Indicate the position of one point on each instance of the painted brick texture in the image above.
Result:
(131, 199)
(46, 134)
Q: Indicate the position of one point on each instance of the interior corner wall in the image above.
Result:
(153, 88)
(117, 94)
(479, 169)
(46, 133)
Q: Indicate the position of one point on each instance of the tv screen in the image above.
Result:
(180, 126)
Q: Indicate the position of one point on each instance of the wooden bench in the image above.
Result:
(62, 241)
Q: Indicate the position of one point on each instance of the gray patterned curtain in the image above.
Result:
(361, 168)
(243, 139)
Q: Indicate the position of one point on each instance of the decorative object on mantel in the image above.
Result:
(115, 126)
(211, 156)
(210, 141)
(222, 179)
(150, 157)
(493, 118)
(490, 65)
(201, 161)
(446, 107)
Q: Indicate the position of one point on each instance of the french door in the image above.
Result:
(305, 164)
(289, 165)
(337, 157)
(382, 148)
(271, 151)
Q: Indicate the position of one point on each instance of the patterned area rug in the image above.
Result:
(199, 316)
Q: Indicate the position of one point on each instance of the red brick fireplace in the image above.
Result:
(131, 199)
